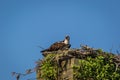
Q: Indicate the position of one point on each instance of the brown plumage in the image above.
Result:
(59, 45)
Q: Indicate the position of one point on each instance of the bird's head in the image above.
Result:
(67, 39)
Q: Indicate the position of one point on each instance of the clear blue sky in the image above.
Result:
(26, 24)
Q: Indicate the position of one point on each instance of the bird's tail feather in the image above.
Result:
(45, 50)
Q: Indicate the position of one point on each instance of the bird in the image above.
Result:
(60, 45)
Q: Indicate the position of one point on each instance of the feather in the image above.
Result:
(59, 45)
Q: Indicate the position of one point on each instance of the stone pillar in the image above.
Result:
(67, 65)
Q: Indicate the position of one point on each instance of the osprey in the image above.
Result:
(61, 45)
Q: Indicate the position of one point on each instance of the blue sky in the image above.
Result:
(27, 24)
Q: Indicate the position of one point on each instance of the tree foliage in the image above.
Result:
(48, 68)
(103, 66)
(100, 68)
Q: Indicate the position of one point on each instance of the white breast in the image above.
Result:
(66, 41)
